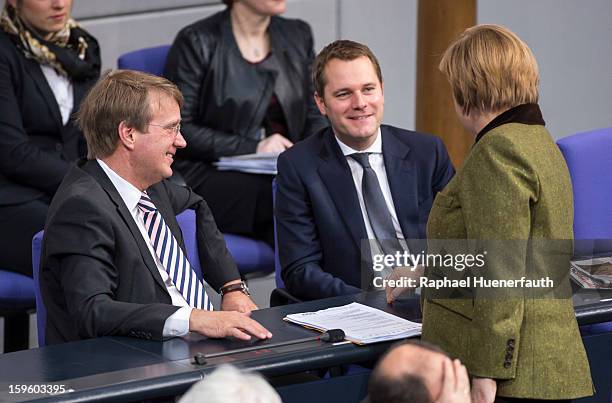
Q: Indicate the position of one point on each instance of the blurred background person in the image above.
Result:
(245, 75)
(514, 185)
(418, 372)
(47, 64)
(228, 384)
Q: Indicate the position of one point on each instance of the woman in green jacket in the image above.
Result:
(514, 186)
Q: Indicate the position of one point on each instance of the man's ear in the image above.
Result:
(320, 104)
(126, 135)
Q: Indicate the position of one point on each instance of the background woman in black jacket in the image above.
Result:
(245, 75)
(47, 64)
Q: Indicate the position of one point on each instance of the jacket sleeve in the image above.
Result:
(444, 171)
(22, 160)
(79, 249)
(187, 66)
(496, 192)
(299, 245)
(218, 266)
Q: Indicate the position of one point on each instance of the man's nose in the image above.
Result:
(179, 141)
(358, 100)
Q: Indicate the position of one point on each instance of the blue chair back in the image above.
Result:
(16, 291)
(186, 221)
(590, 163)
(250, 255)
(150, 60)
(277, 266)
(41, 310)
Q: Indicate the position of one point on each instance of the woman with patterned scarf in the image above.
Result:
(47, 64)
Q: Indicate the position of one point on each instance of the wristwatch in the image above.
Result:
(241, 286)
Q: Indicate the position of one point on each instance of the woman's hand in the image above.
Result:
(276, 143)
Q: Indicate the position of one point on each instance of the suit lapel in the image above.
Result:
(35, 71)
(94, 169)
(402, 177)
(336, 175)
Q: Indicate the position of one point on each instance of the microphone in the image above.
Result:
(333, 336)
(330, 336)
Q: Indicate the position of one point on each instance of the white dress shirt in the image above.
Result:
(176, 324)
(62, 90)
(377, 163)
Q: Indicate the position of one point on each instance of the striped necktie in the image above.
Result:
(172, 257)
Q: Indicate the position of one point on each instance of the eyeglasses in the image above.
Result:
(170, 129)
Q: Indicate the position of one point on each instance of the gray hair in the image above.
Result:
(227, 384)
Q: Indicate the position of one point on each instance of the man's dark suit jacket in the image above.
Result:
(98, 277)
(318, 217)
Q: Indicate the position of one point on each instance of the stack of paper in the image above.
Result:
(593, 273)
(361, 324)
(262, 163)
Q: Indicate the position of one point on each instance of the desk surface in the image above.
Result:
(123, 369)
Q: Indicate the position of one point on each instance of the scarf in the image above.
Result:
(71, 52)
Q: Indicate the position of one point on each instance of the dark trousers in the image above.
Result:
(241, 203)
(18, 224)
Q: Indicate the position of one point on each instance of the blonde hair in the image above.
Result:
(490, 69)
(119, 96)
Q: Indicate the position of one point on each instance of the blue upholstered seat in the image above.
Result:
(250, 255)
(16, 291)
(150, 60)
(589, 159)
(16, 299)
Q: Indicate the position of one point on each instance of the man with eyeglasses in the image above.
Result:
(113, 260)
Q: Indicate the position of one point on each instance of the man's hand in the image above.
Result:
(455, 384)
(402, 272)
(276, 143)
(483, 390)
(217, 324)
(237, 301)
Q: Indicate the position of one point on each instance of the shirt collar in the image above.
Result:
(128, 192)
(375, 148)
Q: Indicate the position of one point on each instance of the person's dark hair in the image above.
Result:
(344, 50)
(405, 389)
(228, 3)
(408, 388)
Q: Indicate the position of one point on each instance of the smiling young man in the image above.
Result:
(113, 260)
(355, 181)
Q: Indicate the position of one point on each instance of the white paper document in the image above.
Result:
(361, 324)
(262, 163)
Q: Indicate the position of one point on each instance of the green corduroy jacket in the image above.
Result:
(514, 185)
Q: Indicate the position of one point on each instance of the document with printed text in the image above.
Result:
(361, 324)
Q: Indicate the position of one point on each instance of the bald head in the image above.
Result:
(410, 372)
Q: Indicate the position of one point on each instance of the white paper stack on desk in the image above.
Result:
(263, 163)
(361, 324)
